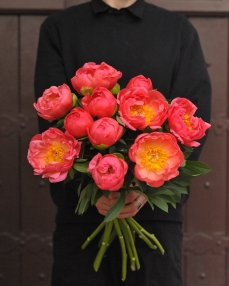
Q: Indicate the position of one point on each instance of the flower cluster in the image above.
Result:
(117, 138)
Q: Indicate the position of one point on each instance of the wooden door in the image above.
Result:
(26, 210)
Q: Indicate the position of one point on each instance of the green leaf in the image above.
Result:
(147, 130)
(119, 121)
(182, 179)
(128, 178)
(106, 193)
(121, 147)
(119, 155)
(195, 168)
(71, 173)
(115, 90)
(140, 184)
(81, 167)
(112, 149)
(117, 207)
(98, 195)
(83, 205)
(177, 189)
(80, 160)
(85, 198)
(122, 141)
(160, 203)
(93, 195)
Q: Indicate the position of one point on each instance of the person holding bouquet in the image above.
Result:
(137, 38)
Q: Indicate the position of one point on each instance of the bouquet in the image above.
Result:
(117, 140)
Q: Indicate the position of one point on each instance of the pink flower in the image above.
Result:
(186, 127)
(108, 171)
(54, 103)
(92, 75)
(52, 153)
(101, 103)
(104, 132)
(140, 81)
(157, 157)
(139, 108)
(77, 122)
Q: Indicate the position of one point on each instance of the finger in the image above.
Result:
(133, 208)
(131, 196)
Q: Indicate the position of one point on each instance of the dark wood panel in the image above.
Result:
(206, 211)
(206, 6)
(9, 152)
(32, 4)
(38, 211)
(37, 207)
(210, 192)
(206, 270)
(9, 175)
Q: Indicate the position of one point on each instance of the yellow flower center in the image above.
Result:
(142, 110)
(154, 158)
(186, 120)
(55, 153)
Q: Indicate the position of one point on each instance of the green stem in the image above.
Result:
(103, 246)
(141, 235)
(123, 248)
(93, 235)
(111, 238)
(128, 243)
(156, 241)
(132, 243)
(149, 235)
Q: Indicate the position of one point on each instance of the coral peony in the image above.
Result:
(101, 103)
(140, 81)
(92, 75)
(55, 102)
(139, 108)
(104, 132)
(52, 153)
(157, 157)
(77, 122)
(186, 127)
(108, 171)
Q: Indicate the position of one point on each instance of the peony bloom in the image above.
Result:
(54, 103)
(157, 157)
(186, 127)
(139, 108)
(77, 122)
(104, 132)
(101, 103)
(52, 153)
(92, 75)
(140, 81)
(108, 171)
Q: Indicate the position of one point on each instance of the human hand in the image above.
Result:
(133, 204)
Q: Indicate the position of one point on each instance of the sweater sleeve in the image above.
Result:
(191, 79)
(49, 69)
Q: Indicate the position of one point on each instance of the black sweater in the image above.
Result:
(142, 39)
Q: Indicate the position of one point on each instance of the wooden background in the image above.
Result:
(26, 210)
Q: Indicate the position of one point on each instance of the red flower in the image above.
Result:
(139, 108)
(52, 153)
(108, 171)
(101, 103)
(54, 103)
(92, 75)
(77, 122)
(104, 132)
(157, 157)
(140, 81)
(186, 127)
